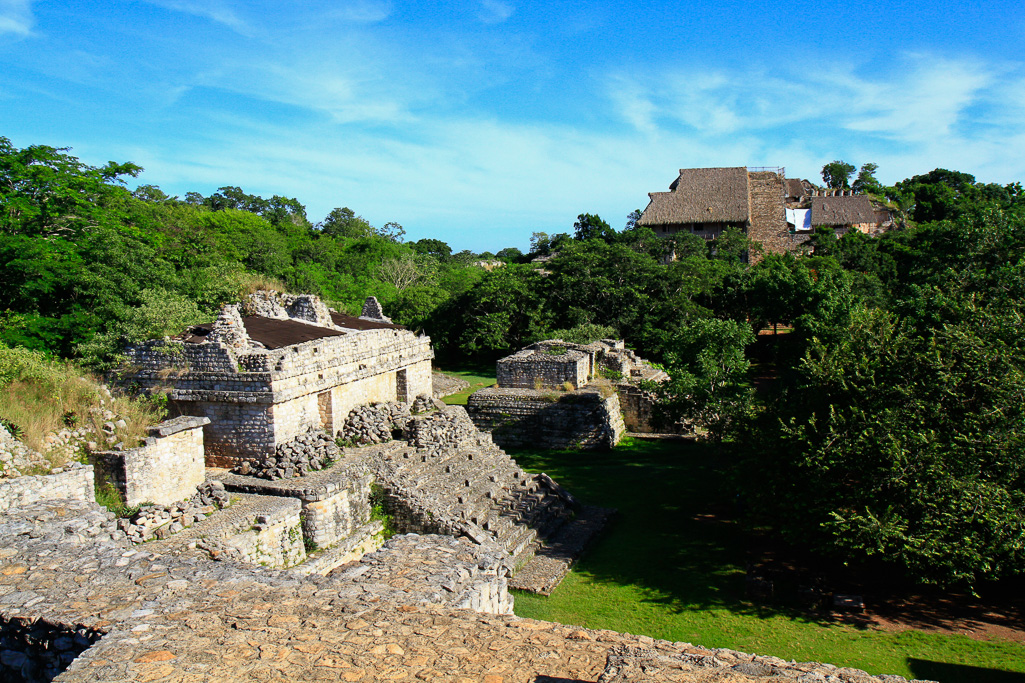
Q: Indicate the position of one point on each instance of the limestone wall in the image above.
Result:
(528, 418)
(166, 468)
(74, 483)
(274, 539)
(531, 369)
(432, 569)
(260, 398)
(335, 502)
(638, 408)
(236, 430)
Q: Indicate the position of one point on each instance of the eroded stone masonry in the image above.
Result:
(555, 394)
(285, 578)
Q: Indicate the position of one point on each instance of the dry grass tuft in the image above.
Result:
(250, 283)
(39, 397)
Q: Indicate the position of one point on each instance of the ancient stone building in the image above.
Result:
(555, 394)
(278, 366)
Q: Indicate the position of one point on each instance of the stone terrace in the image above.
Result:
(450, 478)
(64, 572)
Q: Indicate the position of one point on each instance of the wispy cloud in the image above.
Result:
(494, 11)
(16, 17)
(364, 12)
(928, 105)
(215, 10)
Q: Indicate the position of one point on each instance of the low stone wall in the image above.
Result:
(257, 530)
(435, 570)
(638, 408)
(538, 419)
(274, 539)
(335, 502)
(166, 468)
(74, 483)
(532, 368)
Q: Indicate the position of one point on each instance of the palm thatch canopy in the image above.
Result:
(797, 188)
(700, 195)
(842, 210)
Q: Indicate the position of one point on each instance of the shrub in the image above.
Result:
(41, 396)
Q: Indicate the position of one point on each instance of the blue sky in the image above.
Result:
(481, 121)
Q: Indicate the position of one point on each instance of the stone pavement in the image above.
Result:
(65, 566)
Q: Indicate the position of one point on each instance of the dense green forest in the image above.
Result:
(892, 426)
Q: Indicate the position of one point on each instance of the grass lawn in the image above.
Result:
(478, 375)
(669, 569)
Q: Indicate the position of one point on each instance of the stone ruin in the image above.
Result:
(287, 579)
(277, 366)
(556, 394)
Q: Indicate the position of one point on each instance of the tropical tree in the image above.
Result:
(836, 174)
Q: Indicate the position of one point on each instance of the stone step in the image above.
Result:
(518, 542)
(366, 539)
(552, 561)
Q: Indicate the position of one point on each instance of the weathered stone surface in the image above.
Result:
(587, 418)
(183, 617)
(72, 483)
(165, 469)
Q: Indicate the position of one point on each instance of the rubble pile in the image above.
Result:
(17, 459)
(161, 521)
(374, 424)
(307, 452)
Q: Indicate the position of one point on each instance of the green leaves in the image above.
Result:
(708, 387)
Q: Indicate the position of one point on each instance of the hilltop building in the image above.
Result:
(776, 211)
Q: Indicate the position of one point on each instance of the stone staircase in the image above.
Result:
(450, 478)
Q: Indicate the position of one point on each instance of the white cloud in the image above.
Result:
(215, 10)
(929, 111)
(364, 12)
(16, 17)
(495, 11)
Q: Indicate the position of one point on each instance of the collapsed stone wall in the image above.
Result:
(518, 418)
(72, 483)
(167, 468)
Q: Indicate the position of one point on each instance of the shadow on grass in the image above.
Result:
(961, 673)
(675, 529)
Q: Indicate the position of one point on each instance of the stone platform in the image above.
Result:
(335, 501)
(152, 618)
(259, 530)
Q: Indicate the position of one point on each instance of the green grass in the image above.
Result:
(665, 571)
(478, 375)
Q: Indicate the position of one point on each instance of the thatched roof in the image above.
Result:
(700, 195)
(842, 210)
(796, 187)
